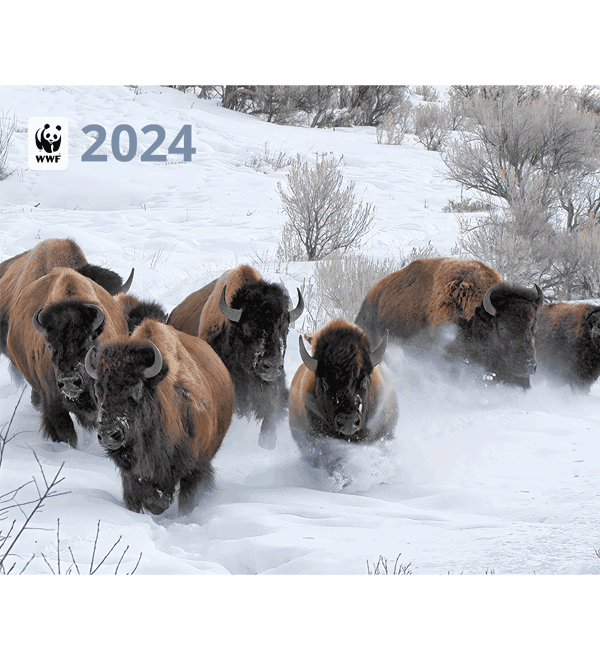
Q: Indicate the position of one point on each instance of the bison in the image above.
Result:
(137, 310)
(54, 321)
(567, 343)
(23, 269)
(340, 392)
(165, 403)
(494, 322)
(246, 320)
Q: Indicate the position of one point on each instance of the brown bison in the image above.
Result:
(165, 401)
(246, 320)
(494, 321)
(567, 343)
(54, 321)
(23, 269)
(137, 310)
(340, 392)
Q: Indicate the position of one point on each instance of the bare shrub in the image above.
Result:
(8, 125)
(92, 570)
(432, 126)
(393, 126)
(323, 216)
(466, 205)
(24, 501)
(381, 567)
(269, 159)
(340, 284)
(344, 283)
(565, 264)
(527, 145)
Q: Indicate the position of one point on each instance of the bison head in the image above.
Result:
(124, 374)
(343, 366)
(502, 332)
(259, 314)
(69, 329)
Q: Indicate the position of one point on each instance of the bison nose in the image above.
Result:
(531, 367)
(111, 438)
(347, 423)
(70, 385)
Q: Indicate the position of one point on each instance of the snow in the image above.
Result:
(478, 479)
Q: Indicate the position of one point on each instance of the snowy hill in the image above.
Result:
(477, 480)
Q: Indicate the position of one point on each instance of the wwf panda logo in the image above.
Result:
(48, 139)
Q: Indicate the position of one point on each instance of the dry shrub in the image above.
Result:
(323, 216)
(566, 265)
(432, 126)
(340, 284)
(268, 159)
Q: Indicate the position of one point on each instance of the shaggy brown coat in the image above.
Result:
(424, 294)
(568, 344)
(417, 303)
(28, 349)
(178, 423)
(252, 347)
(21, 270)
(186, 316)
(344, 382)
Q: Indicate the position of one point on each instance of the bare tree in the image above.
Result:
(525, 144)
(323, 216)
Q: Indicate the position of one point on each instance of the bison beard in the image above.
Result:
(150, 452)
(161, 432)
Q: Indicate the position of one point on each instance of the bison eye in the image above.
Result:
(365, 382)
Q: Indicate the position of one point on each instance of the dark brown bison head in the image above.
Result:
(123, 374)
(343, 365)
(69, 329)
(501, 335)
(259, 314)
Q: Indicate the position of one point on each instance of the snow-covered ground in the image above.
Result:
(478, 480)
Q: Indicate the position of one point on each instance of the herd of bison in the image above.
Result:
(161, 391)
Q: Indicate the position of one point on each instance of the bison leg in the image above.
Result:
(36, 399)
(132, 491)
(193, 486)
(57, 423)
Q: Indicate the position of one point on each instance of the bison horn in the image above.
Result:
(229, 313)
(297, 311)
(487, 303)
(540, 301)
(377, 354)
(156, 366)
(37, 324)
(127, 285)
(89, 367)
(99, 320)
(309, 361)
